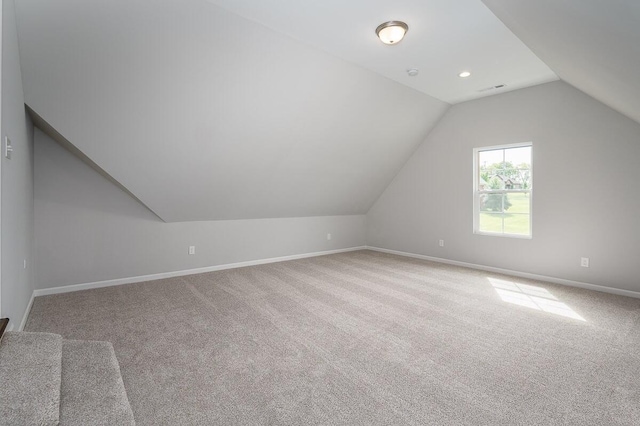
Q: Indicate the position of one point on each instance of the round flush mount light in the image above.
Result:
(392, 32)
(464, 74)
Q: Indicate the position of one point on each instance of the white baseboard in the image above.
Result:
(562, 281)
(26, 312)
(151, 277)
(131, 280)
(23, 322)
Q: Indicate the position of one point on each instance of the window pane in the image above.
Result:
(487, 158)
(518, 203)
(524, 178)
(518, 167)
(489, 179)
(489, 165)
(517, 224)
(492, 203)
(491, 222)
(498, 181)
(518, 156)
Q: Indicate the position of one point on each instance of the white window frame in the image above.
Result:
(476, 192)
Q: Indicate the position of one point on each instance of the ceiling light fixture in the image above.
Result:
(392, 32)
(412, 72)
(464, 74)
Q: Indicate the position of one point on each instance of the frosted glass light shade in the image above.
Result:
(392, 32)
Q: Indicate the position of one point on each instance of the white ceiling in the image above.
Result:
(238, 109)
(205, 115)
(593, 45)
(445, 37)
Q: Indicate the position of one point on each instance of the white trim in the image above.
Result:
(504, 146)
(131, 280)
(496, 234)
(27, 312)
(561, 281)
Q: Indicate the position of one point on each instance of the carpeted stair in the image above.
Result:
(30, 376)
(45, 380)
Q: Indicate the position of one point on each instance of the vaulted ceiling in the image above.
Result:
(594, 45)
(237, 109)
(205, 115)
(445, 37)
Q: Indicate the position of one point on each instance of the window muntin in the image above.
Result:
(503, 190)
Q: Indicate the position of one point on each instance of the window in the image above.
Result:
(502, 181)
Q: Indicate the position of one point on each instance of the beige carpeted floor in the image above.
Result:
(362, 338)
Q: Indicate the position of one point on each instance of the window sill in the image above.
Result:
(493, 234)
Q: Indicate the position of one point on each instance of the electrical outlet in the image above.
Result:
(584, 262)
(328, 236)
(192, 249)
(441, 243)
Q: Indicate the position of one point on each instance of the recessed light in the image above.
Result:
(392, 32)
(464, 74)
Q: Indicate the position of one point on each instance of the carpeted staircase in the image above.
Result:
(46, 380)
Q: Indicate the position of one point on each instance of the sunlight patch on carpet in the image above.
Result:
(532, 297)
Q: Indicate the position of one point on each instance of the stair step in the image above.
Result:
(92, 391)
(30, 371)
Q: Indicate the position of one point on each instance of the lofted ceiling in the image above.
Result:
(204, 115)
(445, 37)
(242, 109)
(594, 45)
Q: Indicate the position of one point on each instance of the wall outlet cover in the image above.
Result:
(8, 148)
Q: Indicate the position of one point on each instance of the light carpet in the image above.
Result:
(30, 371)
(92, 388)
(362, 338)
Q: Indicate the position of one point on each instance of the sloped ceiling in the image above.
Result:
(205, 115)
(594, 45)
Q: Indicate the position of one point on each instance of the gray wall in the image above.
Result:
(585, 201)
(87, 229)
(17, 179)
